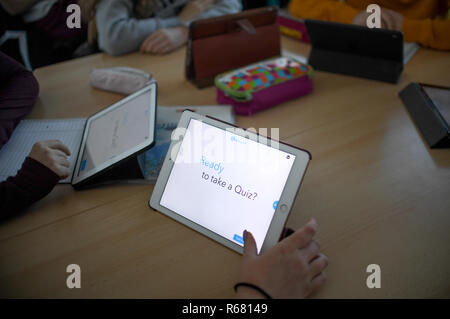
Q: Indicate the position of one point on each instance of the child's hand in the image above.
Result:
(52, 154)
(165, 40)
(389, 19)
(293, 268)
(194, 8)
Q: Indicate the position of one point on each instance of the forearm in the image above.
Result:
(329, 10)
(222, 7)
(32, 182)
(120, 33)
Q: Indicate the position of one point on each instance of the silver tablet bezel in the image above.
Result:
(150, 87)
(287, 198)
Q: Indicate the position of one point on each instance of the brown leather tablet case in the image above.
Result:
(224, 43)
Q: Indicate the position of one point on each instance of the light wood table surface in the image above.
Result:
(380, 195)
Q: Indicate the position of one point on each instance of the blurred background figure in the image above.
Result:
(423, 21)
(44, 26)
(151, 26)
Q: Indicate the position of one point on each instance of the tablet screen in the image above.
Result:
(225, 182)
(116, 132)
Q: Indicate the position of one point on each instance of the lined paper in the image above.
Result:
(28, 132)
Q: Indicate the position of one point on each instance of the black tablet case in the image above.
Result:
(426, 116)
(128, 169)
(375, 54)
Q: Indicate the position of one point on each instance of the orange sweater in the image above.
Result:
(421, 21)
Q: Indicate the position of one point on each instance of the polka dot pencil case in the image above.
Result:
(263, 85)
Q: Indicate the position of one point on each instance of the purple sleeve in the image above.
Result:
(18, 93)
(33, 182)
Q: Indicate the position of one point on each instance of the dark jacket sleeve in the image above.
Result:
(18, 93)
(33, 182)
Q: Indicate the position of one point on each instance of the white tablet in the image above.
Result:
(221, 180)
(115, 134)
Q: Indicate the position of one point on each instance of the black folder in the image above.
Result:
(375, 54)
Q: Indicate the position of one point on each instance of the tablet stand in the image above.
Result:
(425, 115)
(127, 169)
(361, 66)
(375, 54)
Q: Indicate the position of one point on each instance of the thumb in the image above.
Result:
(250, 249)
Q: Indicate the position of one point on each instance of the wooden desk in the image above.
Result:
(379, 193)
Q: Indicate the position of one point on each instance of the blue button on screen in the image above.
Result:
(83, 165)
(275, 205)
(238, 238)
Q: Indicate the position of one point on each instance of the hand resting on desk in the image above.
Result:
(166, 40)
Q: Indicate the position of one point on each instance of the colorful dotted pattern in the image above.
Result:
(264, 76)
